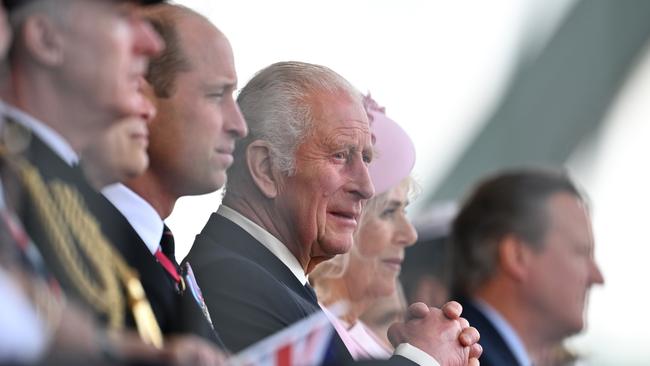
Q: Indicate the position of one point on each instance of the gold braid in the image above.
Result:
(88, 232)
(62, 204)
(105, 296)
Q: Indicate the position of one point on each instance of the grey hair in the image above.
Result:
(278, 106)
(56, 9)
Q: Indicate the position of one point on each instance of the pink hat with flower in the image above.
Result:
(394, 151)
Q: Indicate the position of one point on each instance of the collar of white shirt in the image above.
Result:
(265, 238)
(51, 138)
(139, 213)
(505, 330)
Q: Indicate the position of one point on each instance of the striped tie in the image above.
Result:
(165, 256)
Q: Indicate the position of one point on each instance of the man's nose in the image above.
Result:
(360, 182)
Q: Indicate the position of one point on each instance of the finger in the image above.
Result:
(396, 334)
(181, 352)
(475, 350)
(452, 310)
(199, 357)
(127, 345)
(417, 310)
(182, 356)
(206, 358)
(473, 362)
(463, 323)
(213, 357)
(469, 336)
(217, 359)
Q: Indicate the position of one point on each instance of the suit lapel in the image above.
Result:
(232, 237)
(495, 350)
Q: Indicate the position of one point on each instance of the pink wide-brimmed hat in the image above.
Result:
(394, 151)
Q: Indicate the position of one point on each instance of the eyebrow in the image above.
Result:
(223, 84)
(397, 203)
(369, 152)
(346, 145)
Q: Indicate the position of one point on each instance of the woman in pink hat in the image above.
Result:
(369, 271)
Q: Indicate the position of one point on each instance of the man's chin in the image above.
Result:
(335, 247)
(315, 261)
(210, 183)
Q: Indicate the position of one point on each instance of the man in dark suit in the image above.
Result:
(191, 140)
(523, 263)
(293, 198)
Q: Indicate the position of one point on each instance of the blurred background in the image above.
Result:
(483, 85)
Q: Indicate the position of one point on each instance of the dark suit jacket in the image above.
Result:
(176, 312)
(495, 350)
(251, 294)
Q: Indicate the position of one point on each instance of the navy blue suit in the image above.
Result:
(250, 293)
(495, 350)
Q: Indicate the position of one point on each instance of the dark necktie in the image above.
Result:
(311, 293)
(165, 256)
(167, 244)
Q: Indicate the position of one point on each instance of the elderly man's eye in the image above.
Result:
(367, 158)
(341, 155)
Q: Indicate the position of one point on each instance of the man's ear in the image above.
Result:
(264, 175)
(43, 40)
(514, 257)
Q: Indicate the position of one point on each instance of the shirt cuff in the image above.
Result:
(415, 354)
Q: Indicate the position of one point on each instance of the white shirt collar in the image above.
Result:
(269, 241)
(51, 138)
(503, 327)
(139, 213)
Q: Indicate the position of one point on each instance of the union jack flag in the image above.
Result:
(302, 344)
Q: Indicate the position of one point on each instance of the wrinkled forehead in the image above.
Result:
(339, 110)
(342, 121)
(345, 132)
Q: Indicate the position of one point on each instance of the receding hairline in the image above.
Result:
(320, 101)
(177, 26)
(173, 12)
(179, 16)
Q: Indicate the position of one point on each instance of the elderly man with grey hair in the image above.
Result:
(293, 199)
